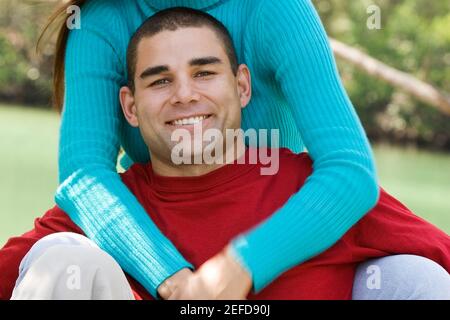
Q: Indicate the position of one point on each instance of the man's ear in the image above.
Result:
(128, 106)
(244, 83)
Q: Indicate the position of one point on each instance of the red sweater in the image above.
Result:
(200, 215)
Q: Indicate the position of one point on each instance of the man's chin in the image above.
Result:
(196, 152)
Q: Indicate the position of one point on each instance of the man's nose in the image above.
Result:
(184, 93)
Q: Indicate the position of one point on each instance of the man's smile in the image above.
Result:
(189, 120)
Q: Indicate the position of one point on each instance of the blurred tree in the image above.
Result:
(25, 76)
(414, 38)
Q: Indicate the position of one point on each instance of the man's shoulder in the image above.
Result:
(288, 154)
(134, 173)
(293, 165)
(287, 157)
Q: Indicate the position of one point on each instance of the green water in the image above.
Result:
(28, 145)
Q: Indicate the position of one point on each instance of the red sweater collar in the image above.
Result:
(208, 181)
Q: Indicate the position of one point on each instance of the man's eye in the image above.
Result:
(160, 82)
(203, 74)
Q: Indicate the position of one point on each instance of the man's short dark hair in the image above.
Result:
(172, 19)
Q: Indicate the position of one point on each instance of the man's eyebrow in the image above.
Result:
(204, 61)
(151, 71)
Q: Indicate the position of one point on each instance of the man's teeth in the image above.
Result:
(188, 121)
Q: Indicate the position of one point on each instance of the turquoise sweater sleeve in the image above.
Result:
(291, 46)
(91, 191)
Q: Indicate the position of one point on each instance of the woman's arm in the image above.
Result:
(290, 44)
(92, 192)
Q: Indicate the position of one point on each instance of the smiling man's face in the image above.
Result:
(184, 79)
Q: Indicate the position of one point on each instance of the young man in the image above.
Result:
(184, 77)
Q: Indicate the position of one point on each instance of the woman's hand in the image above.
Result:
(219, 278)
(170, 285)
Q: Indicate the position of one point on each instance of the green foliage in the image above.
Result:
(12, 68)
(25, 77)
(414, 38)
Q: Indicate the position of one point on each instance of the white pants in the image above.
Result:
(69, 266)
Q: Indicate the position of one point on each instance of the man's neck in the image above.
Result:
(165, 167)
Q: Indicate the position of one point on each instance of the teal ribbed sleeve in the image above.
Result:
(291, 47)
(296, 89)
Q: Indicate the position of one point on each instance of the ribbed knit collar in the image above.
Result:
(218, 177)
(195, 4)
